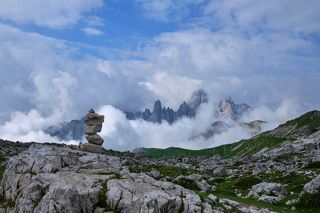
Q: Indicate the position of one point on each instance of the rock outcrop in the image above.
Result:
(313, 186)
(141, 193)
(228, 109)
(267, 192)
(58, 179)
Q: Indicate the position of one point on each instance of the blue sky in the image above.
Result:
(116, 24)
(59, 58)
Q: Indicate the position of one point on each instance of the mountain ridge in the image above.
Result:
(227, 108)
(304, 126)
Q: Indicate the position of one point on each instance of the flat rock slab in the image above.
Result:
(87, 147)
(49, 179)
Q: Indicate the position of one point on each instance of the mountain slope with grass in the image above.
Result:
(289, 132)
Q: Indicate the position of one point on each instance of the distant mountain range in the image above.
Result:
(159, 113)
(73, 130)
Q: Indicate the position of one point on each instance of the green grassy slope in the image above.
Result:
(302, 126)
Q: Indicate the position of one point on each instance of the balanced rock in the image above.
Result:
(95, 139)
(93, 125)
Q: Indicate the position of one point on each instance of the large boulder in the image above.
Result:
(141, 193)
(219, 171)
(313, 186)
(268, 192)
(264, 188)
(58, 179)
(195, 181)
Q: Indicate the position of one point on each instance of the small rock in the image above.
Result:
(154, 173)
(212, 198)
(219, 172)
(270, 199)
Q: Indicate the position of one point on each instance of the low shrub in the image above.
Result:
(187, 183)
(313, 165)
(244, 183)
(310, 200)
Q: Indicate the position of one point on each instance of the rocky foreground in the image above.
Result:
(49, 178)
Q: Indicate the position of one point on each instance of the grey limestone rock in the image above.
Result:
(313, 186)
(141, 193)
(58, 179)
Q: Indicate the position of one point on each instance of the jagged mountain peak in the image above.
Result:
(198, 97)
(227, 108)
(160, 112)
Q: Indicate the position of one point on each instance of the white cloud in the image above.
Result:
(53, 14)
(285, 15)
(92, 31)
(94, 21)
(243, 15)
(172, 88)
(122, 134)
(168, 10)
(42, 73)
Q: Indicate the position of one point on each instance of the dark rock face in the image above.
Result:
(72, 130)
(159, 113)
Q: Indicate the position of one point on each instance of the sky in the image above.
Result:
(60, 58)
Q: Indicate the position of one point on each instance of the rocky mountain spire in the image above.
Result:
(228, 109)
(159, 113)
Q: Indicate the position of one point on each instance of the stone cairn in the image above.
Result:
(93, 125)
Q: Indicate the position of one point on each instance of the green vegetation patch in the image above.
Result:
(177, 152)
(170, 171)
(102, 198)
(295, 182)
(310, 120)
(114, 175)
(313, 165)
(226, 189)
(188, 184)
(310, 200)
(244, 183)
(7, 203)
(288, 156)
(242, 148)
(2, 170)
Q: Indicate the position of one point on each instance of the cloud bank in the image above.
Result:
(267, 55)
(52, 14)
(122, 134)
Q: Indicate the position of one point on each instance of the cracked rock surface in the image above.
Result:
(58, 179)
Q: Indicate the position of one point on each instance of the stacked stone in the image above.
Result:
(93, 125)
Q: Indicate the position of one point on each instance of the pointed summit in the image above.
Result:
(198, 97)
(228, 109)
(156, 115)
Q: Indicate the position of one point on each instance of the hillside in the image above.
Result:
(303, 126)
